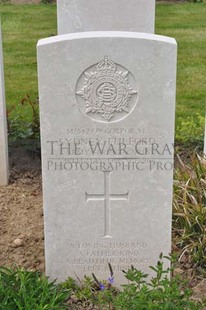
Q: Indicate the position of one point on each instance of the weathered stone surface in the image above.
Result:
(105, 15)
(107, 128)
(4, 174)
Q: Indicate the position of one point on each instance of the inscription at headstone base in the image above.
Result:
(4, 174)
(105, 15)
(107, 130)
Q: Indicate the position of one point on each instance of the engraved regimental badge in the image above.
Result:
(106, 92)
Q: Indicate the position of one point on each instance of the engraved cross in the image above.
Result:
(106, 197)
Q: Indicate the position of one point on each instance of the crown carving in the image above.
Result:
(106, 66)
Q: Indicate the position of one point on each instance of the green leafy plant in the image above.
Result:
(27, 290)
(5, 1)
(161, 292)
(18, 127)
(24, 290)
(190, 129)
(47, 1)
(92, 292)
(189, 209)
(196, 1)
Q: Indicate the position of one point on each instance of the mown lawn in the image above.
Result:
(23, 25)
(187, 23)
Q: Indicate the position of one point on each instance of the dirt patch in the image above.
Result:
(21, 214)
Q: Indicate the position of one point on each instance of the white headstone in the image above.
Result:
(107, 103)
(105, 15)
(4, 174)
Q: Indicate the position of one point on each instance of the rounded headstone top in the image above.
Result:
(105, 15)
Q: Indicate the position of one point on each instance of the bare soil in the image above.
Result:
(21, 213)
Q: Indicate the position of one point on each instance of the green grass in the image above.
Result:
(23, 25)
(187, 24)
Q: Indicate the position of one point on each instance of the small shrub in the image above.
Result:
(191, 129)
(159, 293)
(26, 290)
(18, 127)
(142, 293)
(47, 1)
(20, 289)
(196, 1)
(92, 292)
(5, 1)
